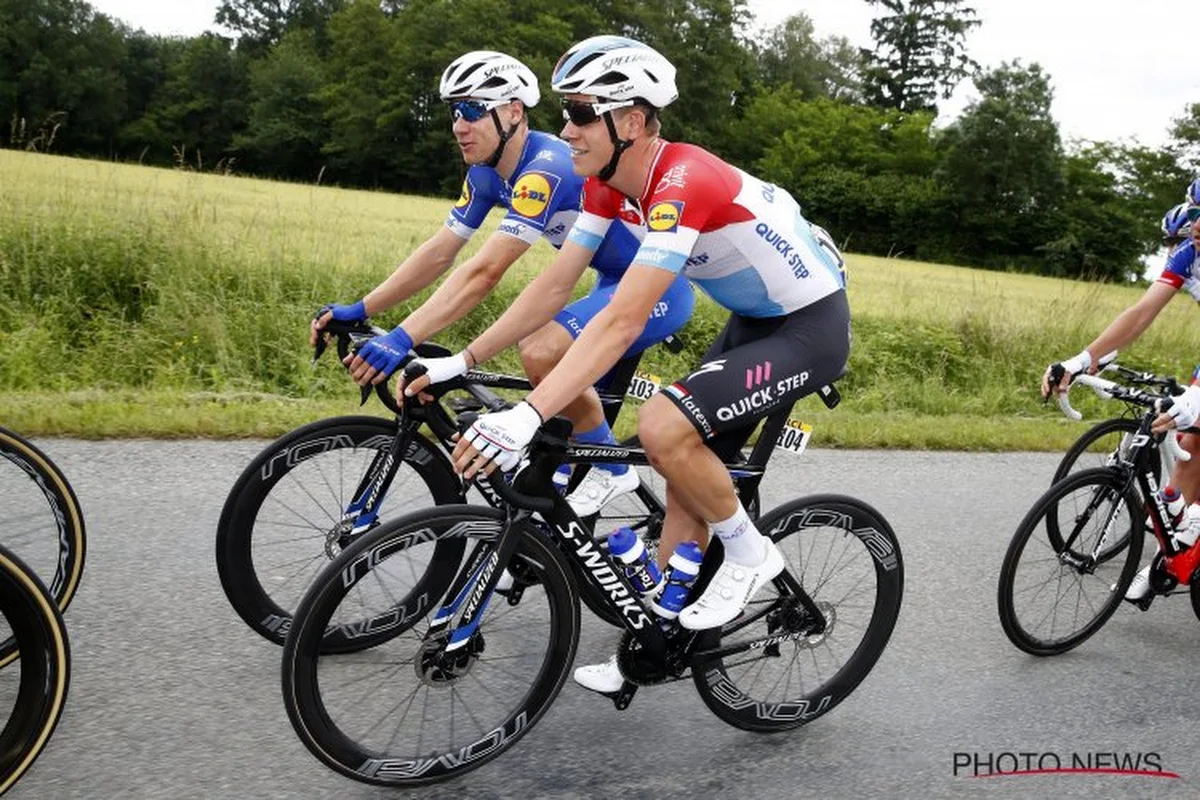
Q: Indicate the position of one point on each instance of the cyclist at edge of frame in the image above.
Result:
(1182, 272)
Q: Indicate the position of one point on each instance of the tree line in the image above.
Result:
(345, 92)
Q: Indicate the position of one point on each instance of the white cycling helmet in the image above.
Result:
(1193, 192)
(616, 68)
(488, 75)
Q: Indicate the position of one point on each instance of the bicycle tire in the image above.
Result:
(241, 526)
(1087, 442)
(29, 611)
(1105, 490)
(311, 677)
(857, 529)
(51, 541)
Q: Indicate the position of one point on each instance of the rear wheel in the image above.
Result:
(797, 667)
(40, 522)
(1070, 562)
(1101, 446)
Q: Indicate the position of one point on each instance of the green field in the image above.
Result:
(150, 302)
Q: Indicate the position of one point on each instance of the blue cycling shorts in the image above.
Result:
(670, 313)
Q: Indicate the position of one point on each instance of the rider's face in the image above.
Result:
(591, 145)
(478, 140)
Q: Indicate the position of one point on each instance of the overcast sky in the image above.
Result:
(1119, 70)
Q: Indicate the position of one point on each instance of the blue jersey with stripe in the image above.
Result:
(543, 199)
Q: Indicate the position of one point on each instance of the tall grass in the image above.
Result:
(129, 280)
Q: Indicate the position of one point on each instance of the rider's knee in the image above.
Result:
(539, 355)
(663, 430)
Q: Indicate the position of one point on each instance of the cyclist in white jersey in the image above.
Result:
(1182, 272)
(741, 240)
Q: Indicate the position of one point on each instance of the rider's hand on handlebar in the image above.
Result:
(355, 312)
(1065, 371)
(437, 370)
(498, 439)
(379, 358)
(1183, 413)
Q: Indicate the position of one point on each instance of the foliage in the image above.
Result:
(920, 52)
(345, 92)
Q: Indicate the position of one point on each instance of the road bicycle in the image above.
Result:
(40, 521)
(34, 690)
(1076, 551)
(1100, 444)
(310, 493)
(435, 671)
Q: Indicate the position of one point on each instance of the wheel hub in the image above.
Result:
(440, 669)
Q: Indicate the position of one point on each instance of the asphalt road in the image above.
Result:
(172, 697)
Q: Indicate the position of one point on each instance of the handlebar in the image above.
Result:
(1112, 390)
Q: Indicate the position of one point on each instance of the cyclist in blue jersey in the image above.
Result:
(1182, 272)
(529, 174)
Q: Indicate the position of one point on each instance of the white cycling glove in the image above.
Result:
(502, 436)
(1186, 408)
(1077, 364)
(441, 370)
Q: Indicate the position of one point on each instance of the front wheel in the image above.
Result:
(846, 558)
(35, 690)
(1070, 561)
(425, 705)
(283, 519)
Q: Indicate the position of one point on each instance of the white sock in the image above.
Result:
(743, 543)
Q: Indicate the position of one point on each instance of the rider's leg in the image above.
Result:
(1185, 478)
(699, 483)
(540, 352)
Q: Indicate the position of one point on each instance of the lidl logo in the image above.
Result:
(464, 199)
(665, 217)
(531, 195)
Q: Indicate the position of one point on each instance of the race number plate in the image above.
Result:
(644, 385)
(794, 436)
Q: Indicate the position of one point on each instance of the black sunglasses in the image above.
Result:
(580, 113)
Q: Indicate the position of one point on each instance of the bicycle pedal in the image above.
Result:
(623, 696)
(1144, 603)
(513, 595)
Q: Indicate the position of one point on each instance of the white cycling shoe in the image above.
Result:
(604, 678)
(1139, 587)
(599, 487)
(729, 590)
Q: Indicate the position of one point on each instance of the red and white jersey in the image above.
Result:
(739, 239)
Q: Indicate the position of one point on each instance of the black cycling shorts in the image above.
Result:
(756, 366)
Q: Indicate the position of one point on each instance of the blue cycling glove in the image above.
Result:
(356, 312)
(385, 353)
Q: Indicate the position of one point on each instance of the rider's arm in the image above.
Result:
(537, 304)
(1132, 322)
(465, 287)
(605, 338)
(422, 267)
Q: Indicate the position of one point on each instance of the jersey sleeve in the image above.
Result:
(601, 204)
(537, 194)
(684, 198)
(474, 202)
(1178, 270)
